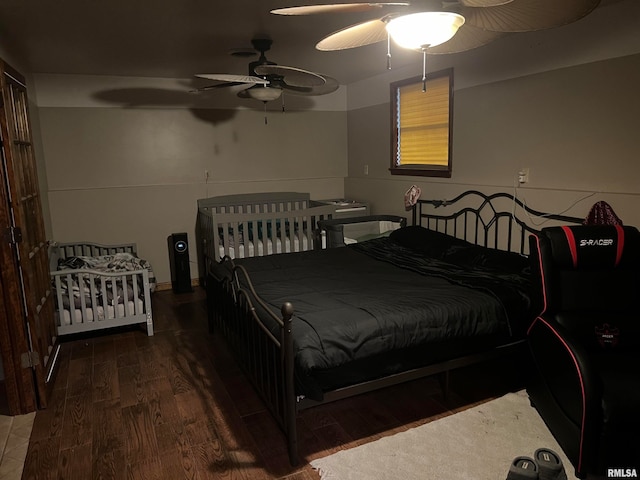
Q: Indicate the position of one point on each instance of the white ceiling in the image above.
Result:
(178, 38)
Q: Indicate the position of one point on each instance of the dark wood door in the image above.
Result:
(18, 387)
(30, 306)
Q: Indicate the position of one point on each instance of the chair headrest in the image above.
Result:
(597, 246)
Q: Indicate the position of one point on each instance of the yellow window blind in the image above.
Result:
(423, 123)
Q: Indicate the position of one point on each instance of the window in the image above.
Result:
(422, 121)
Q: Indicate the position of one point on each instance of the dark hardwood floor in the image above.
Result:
(175, 405)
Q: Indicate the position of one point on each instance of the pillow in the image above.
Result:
(429, 242)
(478, 257)
(457, 251)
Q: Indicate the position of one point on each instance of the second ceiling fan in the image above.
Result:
(267, 80)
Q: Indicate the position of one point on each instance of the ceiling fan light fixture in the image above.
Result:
(264, 93)
(418, 31)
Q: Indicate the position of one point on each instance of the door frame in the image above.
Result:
(28, 300)
(19, 382)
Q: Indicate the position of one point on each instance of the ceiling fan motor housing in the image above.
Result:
(262, 45)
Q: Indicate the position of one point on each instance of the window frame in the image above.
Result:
(422, 169)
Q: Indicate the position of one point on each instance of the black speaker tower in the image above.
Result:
(179, 262)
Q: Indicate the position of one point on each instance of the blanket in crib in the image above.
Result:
(119, 262)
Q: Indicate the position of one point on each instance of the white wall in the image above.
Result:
(127, 158)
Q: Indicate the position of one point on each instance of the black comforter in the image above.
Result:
(392, 294)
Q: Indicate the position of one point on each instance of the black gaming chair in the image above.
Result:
(586, 344)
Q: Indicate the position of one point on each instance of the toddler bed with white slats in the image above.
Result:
(100, 286)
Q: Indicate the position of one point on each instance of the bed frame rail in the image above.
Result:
(266, 358)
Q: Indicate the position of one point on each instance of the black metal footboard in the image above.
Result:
(266, 359)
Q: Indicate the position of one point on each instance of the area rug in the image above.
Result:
(475, 444)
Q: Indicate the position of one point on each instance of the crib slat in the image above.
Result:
(81, 292)
(147, 302)
(136, 294)
(243, 238)
(125, 296)
(94, 298)
(114, 298)
(104, 298)
(235, 236)
(225, 238)
(60, 304)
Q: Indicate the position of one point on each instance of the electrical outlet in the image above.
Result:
(523, 175)
(366, 169)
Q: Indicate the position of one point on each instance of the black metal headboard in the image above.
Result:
(488, 220)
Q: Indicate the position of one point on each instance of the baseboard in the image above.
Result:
(195, 282)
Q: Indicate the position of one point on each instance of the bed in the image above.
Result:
(100, 286)
(317, 326)
(257, 224)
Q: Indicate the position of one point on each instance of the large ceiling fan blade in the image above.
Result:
(356, 35)
(529, 15)
(292, 76)
(330, 86)
(224, 77)
(335, 8)
(467, 38)
(484, 3)
(216, 86)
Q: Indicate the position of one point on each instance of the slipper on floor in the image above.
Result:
(549, 465)
(523, 468)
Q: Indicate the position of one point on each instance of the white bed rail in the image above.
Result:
(91, 249)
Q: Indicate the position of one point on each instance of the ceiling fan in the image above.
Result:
(443, 26)
(267, 80)
(469, 23)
